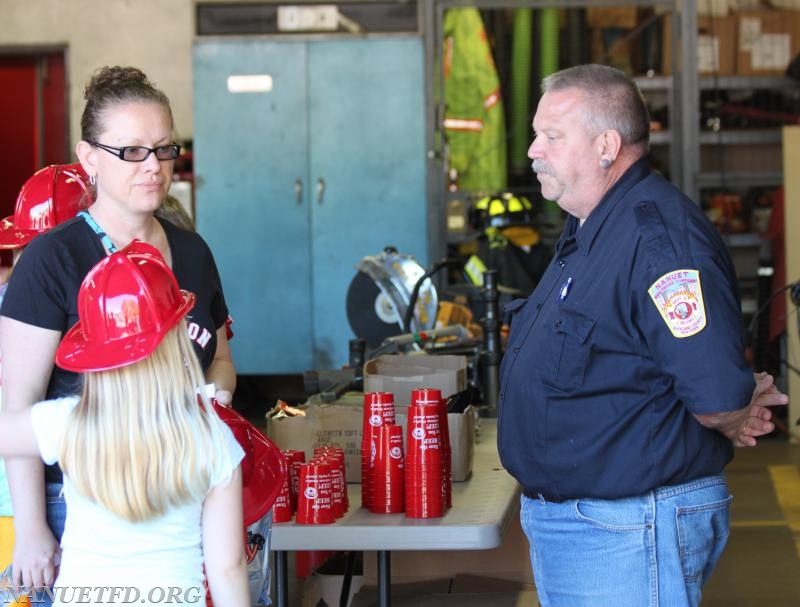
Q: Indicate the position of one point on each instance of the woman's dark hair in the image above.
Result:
(110, 86)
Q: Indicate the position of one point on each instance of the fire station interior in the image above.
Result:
(725, 132)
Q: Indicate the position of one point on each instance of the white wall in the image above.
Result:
(153, 35)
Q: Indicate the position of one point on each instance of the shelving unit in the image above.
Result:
(699, 160)
(760, 136)
(700, 179)
(681, 87)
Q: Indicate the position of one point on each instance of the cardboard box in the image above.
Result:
(321, 590)
(767, 41)
(625, 17)
(716, 45)
(341, 425)
(334, 424)
(461, 430)
(514, 598)
(400, 374)
(715, 8)
(461, 590)
(510, 561)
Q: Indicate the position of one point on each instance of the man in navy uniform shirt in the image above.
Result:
(624, 386)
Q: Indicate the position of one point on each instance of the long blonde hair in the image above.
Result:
(138, 443)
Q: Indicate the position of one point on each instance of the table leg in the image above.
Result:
(384, 578)
(281, 578)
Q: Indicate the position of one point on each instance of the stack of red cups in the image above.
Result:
(423, 465)
(334, 456)
(378, 411)
(282, 508)
(315, 495)
(294, 458)
(388, 477)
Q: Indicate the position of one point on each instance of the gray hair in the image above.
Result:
(613, 101)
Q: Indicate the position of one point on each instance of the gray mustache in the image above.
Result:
(539, 166)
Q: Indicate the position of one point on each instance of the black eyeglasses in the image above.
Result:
(139, 153)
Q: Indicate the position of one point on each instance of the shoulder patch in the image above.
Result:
(679, 299)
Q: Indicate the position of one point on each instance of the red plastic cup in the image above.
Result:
(388, 474)
(426, 396)
(425, 485)
(282, 508)
(314, 499)
(338, 488)
(294, 458)
(337, 457)
(423, 434)
(378, 411)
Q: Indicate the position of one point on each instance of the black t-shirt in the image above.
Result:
(43, 290)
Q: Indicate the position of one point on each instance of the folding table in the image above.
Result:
(483, 507)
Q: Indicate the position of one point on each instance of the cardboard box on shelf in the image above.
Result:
(400, 374)
(716, 45)
(612, 16)
(767, 41)
(715, 8)
(624, 37)
(341, 425)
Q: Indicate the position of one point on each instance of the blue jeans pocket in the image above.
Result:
(611, 515)
(703, 531)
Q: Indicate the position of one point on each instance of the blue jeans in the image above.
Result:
(56, 509)
(56, 517)
(653, 550)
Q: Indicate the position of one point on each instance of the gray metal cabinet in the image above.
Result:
(298, 183)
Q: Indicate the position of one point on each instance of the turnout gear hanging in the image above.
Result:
(474, 124)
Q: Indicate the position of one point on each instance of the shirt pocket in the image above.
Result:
(512, 309)
(566, 348)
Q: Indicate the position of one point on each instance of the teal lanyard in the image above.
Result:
(99, 231)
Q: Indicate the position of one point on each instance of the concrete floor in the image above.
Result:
(761, 565)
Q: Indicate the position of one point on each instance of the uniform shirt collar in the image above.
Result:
(585, 236)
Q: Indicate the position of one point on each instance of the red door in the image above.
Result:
(33, 125)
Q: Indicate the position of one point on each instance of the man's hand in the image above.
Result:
(744, 426)
(37, 557)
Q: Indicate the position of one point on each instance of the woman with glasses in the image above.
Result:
(128, 150)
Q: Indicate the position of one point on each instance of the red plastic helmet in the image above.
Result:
(126, 305)
(51, 196)
(263, 466)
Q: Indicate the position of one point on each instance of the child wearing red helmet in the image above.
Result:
(49, 197)
(152, 479)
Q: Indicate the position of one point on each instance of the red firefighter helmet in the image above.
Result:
(263, 466)
(126, 305)
(51, 196)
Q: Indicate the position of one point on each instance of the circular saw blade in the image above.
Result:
(371, 314)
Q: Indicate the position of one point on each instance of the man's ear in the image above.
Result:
(608, 145)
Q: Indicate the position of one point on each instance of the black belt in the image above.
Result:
(538, 495)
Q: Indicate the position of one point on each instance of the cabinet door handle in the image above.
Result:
(298, 190)
(320, 189)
